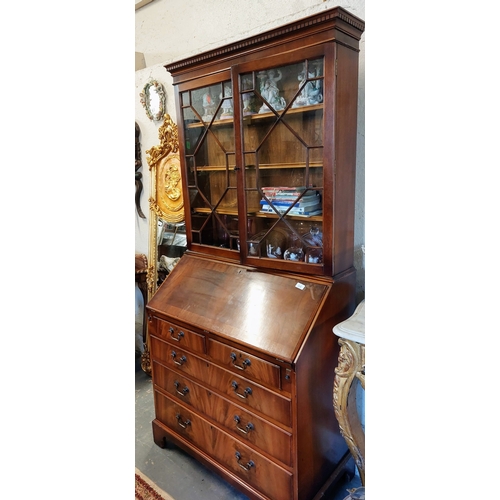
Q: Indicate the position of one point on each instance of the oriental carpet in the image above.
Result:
(145, 489)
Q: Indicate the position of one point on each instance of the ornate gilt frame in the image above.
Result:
(166, 201)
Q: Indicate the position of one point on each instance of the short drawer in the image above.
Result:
(243, 391)
(245, 425)
(180, 336)
(248, 365)
(244, 462)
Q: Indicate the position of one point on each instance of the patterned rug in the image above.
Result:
(145, 489)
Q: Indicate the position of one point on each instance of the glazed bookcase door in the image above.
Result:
(282, 137)
(257, 165)
(210, 167)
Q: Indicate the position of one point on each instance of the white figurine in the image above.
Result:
(227, 104)
(310, 93)
(270, 92)
(209, 107)
(247, 97)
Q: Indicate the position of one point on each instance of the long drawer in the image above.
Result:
(245, 392)
(246, 463)
(236, 420)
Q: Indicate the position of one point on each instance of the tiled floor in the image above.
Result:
(180, 475)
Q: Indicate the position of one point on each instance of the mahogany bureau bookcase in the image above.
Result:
(241, 343)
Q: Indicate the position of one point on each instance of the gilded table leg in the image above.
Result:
(351, 366)
(145, 360)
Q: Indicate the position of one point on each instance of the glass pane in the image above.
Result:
(270, 90)
(226, 106)
(283, 154)
(309, 84)
(205, 102)
(211, 161)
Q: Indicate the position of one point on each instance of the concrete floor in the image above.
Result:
(173, 470)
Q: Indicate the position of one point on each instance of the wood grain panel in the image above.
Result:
(241, 423)
(182, 337)
(243, 391)
(244, 363)
(253, 467)
(269, 312)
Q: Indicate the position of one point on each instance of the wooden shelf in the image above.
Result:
(317, 218)
(256, 213)
(265, 166)
(221, 211)
(257, 117)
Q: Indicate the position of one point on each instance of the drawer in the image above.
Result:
(179, 336)
(247, 426)
(244, 392)
(249, 465)
(249, 365)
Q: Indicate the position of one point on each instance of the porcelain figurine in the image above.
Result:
(168, 263)
(248, 98)
(227, 104)
(270, 92)
(310, 92)
(209, 107)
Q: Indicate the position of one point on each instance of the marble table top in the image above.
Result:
(353, 328)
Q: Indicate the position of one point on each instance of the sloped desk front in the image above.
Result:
(242, 373)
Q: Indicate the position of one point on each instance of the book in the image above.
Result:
(305, 201)
(284, 192)
(312, 210)
(284, 189)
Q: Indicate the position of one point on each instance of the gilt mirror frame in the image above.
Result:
(165, 203)
(153, 100)
(166, 200)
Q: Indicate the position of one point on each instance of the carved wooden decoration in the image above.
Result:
(138, 175)
(167, 201)
(351, 366)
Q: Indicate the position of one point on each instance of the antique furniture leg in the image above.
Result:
(141, 273)
(351, 368)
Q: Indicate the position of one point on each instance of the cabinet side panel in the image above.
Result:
(345, 167)
(320, 446)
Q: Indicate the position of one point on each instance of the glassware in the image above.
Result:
(294, 251)
(314, 240)
(275, 243)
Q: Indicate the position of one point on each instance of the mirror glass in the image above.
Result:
(153, 100)
(171, 244)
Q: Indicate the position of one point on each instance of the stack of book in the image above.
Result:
(281, 199)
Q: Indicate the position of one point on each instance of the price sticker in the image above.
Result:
(300, 286)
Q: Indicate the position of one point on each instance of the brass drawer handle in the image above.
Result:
(243, 365)
(181, 361)
(246, 467)
(242, 395)
(179, 335)
(245, 430)
(183, 392)
(182, 424)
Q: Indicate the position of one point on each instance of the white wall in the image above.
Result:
(168, 30)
